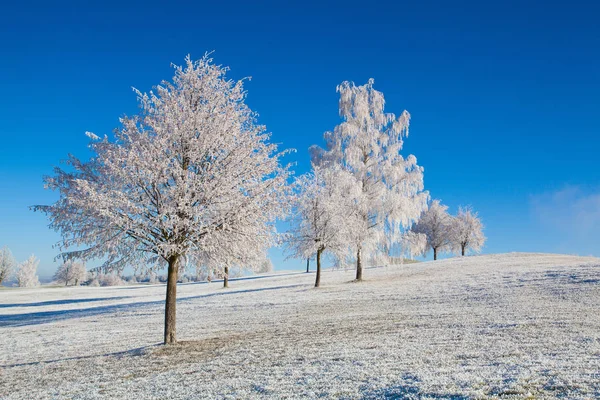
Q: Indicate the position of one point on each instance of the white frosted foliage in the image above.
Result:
(27, 273)
(436, 225)
(368, 144)
(7, 263)
(467, 232)
(71, 272)
(192, 176)
(322, 212)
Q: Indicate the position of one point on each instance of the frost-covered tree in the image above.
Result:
(71, 272)
(7, 264)
(321, 214)
(436, 225)
(367, 144)
(191, 180)
(467, 231)
(27, 273)
(110, 279)
(265, 267)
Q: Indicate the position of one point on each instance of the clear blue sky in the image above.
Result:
(505, 96)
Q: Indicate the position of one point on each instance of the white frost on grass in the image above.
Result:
(496, 326)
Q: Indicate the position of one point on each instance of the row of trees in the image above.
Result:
(363, 201)
(193, 181)
(75, 273)
(25, 273)
(442, 232)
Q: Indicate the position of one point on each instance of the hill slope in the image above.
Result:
(476, 327)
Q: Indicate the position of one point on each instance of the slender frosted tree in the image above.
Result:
(436, 225)
(71, 272)
(191, 180)
(27, 273)
(322, 214)
(7, 264)
(368, 144)
(467, 232)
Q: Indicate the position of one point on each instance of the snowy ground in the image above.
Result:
(498, 326)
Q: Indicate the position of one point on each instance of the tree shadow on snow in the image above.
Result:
(60, 302)
(131, 353)
(44, 317)
(408, 389)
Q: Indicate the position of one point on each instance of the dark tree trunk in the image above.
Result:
(463, 249)
(226, 277)
(318, 279)
(358, 266)
(307, 265)
(435, 253)
(171, 302)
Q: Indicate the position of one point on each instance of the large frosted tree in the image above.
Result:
(436, 225)
(7, 263)
(467, 231)
(368, 144)
(191, 180)
(322, 214)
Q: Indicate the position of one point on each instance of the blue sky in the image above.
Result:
(505, 96)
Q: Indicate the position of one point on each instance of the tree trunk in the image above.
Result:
(358, 266)
(463, 249)
(226, 278)
(435, 253)
(171, 302)
(318, 279)
(307, 265)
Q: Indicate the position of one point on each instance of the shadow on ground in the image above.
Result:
(408, 389)
(43, 317)
(131, 353)
(60, 302)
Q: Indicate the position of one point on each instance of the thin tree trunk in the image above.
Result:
(307, 265)
(463, 249)
(358, 266)
(435, 253)
(318, 279)
(226, 278)
(171, 302)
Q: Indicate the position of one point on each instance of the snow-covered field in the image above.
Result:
(497, 326)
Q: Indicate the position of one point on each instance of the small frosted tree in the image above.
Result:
(467, 232)
(367, 144)
(265, 267)
(27, 273)
(71, 272)
(436, 225)
(322, 214)
(191, 180)
(7, 264)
